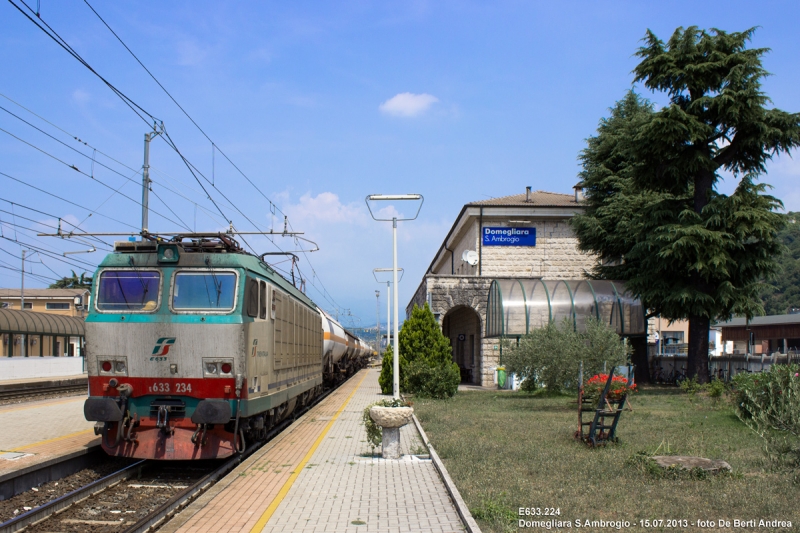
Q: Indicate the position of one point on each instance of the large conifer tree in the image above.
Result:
(684, 249)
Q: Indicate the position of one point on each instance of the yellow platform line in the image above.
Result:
(262, 521)
(48, 441)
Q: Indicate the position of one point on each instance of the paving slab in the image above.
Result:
(42, 431)
(321, 475)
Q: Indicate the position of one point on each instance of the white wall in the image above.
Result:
(39, 367)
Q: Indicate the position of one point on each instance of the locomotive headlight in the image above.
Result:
(106, 366)
(120, 367)
(211, 368)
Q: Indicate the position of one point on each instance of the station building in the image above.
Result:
(522, 236)
(51, 324)
(64, 302)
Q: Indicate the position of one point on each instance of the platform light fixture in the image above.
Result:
(388, 296)
(394, 220)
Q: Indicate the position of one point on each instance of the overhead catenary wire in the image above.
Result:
(54, 255)
(50, 32)
(79, 140)
(87, 237)
(139, 110)
(92, 237)
(19, 257)
(101, 182)
(65, 200)
(214, 146)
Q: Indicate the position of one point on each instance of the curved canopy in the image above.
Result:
(30, 323)
(518, 306)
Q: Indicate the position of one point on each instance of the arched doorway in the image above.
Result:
(462, 325)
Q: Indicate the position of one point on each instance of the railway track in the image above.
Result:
(12, 395)
(138, 498)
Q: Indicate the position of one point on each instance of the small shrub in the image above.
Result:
(419, 340)
(426, 381)
(716, 388)
(769, 403)
(691, 386)
(387, 371)
(551, 356)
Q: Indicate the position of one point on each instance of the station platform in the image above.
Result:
(320, 475)
(40, 433)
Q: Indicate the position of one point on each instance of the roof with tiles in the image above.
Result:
(537, 198)
(42, 293)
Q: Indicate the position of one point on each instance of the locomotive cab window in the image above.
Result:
(262, 309)
(204, 290)
(123, 291)
(252, 297)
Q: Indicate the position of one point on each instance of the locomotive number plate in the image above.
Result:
(166, 387)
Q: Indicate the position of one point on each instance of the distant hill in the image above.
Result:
(785, 292)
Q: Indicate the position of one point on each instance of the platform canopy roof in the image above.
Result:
(30, 323)
(518, 306)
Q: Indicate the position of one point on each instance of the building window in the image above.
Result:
(57, 306)
(28, 305)
(672, 337)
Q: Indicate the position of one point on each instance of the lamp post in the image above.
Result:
(394, 220)
(388, 296)
(377, 320)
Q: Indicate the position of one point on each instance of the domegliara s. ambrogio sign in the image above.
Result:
(509, 236)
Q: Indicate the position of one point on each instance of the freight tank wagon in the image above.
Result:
(196, 348)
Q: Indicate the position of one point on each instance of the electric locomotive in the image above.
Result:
(195, 348)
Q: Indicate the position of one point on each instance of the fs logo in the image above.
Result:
(162, 346)
(255, 347)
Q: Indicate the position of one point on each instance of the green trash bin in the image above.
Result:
(501, 377)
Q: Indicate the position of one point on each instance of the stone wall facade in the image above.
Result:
(555, 256)
(451, 293)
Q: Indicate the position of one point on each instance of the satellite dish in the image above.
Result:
(470, 257)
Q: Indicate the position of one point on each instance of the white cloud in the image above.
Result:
(325, 207)
(190, 53)
(81, 97)
(408, 104)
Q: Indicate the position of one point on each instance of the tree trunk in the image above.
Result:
(697, 361)
(639, 359)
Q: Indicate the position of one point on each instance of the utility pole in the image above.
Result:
(146, 176)
(23, 351)
(378, 321)
(146, 181)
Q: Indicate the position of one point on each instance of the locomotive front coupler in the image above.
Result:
(201, 439)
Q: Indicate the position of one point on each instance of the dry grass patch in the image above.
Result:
(511, 450)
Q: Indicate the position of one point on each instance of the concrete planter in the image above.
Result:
(391, 419)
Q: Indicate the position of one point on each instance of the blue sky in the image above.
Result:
(321, 104)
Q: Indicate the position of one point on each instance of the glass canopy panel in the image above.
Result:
(607, 303)
(515, 317)
(517, 306)
(561, 302)
(494, 311)
(538, 301)
(585, 304)
(632, 313)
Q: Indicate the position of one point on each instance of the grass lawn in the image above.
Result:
(507, 450)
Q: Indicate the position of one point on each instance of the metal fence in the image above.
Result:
(670, 368)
